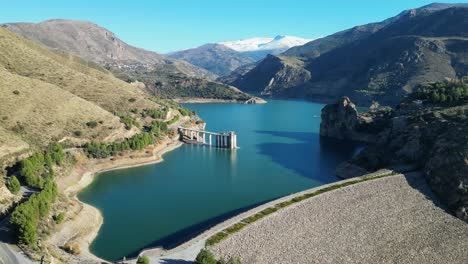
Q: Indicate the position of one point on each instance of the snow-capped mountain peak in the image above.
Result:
(261, 44)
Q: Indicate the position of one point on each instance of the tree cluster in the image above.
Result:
(103, 150)
(157, 128)
(35, 169)
(25, 217)
(453, 92)
(128, 121)
(154, 113)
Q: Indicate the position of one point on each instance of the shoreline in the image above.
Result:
(199, 100)
(196, 100)
(83, 227)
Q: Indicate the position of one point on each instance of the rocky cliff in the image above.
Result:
(426, 131)
(274, 75)
(215, 58)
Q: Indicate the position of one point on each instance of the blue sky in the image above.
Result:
(168, 25)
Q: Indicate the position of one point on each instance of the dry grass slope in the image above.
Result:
(46, 97)
(43, 113)
(28, 59)
(9, 142)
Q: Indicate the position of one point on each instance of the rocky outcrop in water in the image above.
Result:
(255, 100)
(342, 121)
(339, 119)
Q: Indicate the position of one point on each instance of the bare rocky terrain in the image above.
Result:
(215, 58)
(395, 219)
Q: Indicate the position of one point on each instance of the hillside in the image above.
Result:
(215, 58)
(48, 97)
(99, 45)
(426, 131)
(289, 71)
(375, 62)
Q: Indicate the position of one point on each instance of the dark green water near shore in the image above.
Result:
(196, 187)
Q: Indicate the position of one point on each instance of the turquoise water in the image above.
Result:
(195, 187)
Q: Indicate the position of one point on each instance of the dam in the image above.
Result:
(221, 140)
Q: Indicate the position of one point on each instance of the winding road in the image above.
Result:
(7, 255)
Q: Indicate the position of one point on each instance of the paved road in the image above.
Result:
(7, 255)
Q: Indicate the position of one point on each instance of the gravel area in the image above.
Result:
(395, 219)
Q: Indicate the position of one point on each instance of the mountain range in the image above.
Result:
(259, 48)
(225, 57)
(380, 61)
(161, 75)
(374, 62)
(215, 58)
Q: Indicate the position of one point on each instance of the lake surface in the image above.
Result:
(280, 152)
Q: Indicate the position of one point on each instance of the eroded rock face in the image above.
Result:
(430, 138)
(274, 76)
(339, 120)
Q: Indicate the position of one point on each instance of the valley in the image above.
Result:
(350, 146)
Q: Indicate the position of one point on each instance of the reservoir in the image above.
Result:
(280, 152)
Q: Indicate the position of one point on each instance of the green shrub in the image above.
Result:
(92, 124)
(205, 257)
(235, 228)
(16, 92)
(185, 112)
(234, 260)
(216, 238)
(78, 133)
(72, 248)
(128, 121)
(173, 120)
(57, 154)
(59, 218)
(157, 128)
(155, 113)
(14, 185)
(143, 260)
